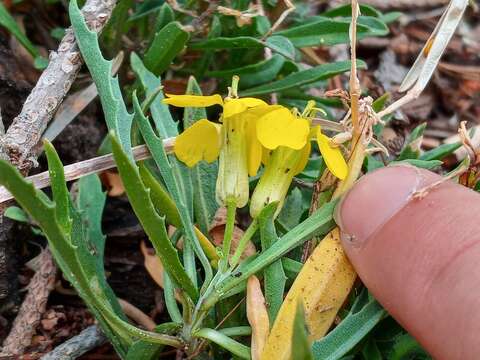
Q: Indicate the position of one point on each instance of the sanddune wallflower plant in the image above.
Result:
(248, 125)
(283, 163)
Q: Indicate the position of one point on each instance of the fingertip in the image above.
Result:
(376, 198)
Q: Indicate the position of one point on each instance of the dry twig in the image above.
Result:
(73, 348)
(86, 167)
(32, 307)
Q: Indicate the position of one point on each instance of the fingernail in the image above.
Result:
(373, 201)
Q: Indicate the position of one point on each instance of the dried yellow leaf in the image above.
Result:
(257, 316)
(323, 285)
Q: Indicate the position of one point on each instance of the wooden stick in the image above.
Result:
(86, 167)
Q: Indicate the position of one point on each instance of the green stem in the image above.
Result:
(237, 331)
(224, 341)
(170, 301)
(242, 244)
(228, 235)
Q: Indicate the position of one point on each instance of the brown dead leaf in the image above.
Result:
(113, 183)
(217, 231)
(153, 264)
(257, 316)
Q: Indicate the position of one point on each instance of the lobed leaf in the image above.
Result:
(153, 224)
(118, 119)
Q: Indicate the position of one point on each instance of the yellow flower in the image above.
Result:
(283, 163)
(249, 126)
(280, 168)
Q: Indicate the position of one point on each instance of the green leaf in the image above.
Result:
(170, 301)
(17, 214)
(155, 145)
(224, 341)
(423, 164)
(254, 74)
(370, 351)
(300, 344)
(346, 11)
(166, 45)
(203, 175)
(411, 149)
(7, 21)
(145, 8)
(162, 118)
(146, 350)
(281, 45)
(276, 43)
(273, 275)
(324, 31)
(405, 348)
(66, 249)
(207, 57)
(304, 77)
(292, 210)
(153, 224)
(440, 152)
(165, 126)
(60, 192)
(118, 119)
(162, 201)
(320, 222)
(291, 267)
(165, 16)
(353, 328)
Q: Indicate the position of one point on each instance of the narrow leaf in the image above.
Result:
(304, 77)
(273, 275)
(166, 45)
(353, 328)
(320, 222)
(300, 344)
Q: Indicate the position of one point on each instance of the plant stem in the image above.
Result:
(242, 244)
(354, 168)
(224, 341)
(228, 235)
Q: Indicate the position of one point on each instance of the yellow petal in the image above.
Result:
(254, 148)
(281, 128)
(193, 100)
(333, 156)
(236, 106)
(266, 154)
(201, 141)
(304, 159)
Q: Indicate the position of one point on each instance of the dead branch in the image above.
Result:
(27, 128)
(73, 348)
(32, 308)
(86, 167)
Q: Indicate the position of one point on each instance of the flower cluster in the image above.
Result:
(251, 133)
